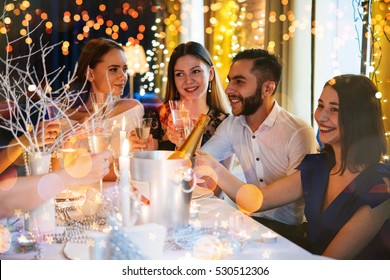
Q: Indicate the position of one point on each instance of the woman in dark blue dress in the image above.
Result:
(347, 186)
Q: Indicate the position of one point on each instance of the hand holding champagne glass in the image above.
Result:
(99, 140)
(181, 117)
(142, 127)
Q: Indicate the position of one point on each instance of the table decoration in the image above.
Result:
(269, 237)
(42, 218)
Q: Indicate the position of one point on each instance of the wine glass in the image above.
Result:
(99, 140)
(115, 164)
(181, 116)
(142, 127)
(100, 102)
(67, 155)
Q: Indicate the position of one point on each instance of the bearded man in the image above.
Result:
(268, 141)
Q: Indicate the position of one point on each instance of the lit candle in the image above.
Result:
(194, 213)
(269, 237)
(122, 133)
(124, 186)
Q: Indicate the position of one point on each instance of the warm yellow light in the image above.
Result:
(115, 36)
(102, 7)
(7, 20)
(108, 31)
(213, 20)
(26, 4)
(49, 24)
(9, 7)
(28, 40)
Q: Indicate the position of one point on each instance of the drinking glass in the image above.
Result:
(180, 110)
(142, 127)
(67, 155)
(99, 103)
(99, 140)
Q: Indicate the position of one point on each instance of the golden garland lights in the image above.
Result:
(230, 26)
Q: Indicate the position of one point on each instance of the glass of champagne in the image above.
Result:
(99, 140)
(180, 110)
(99, 103)
(142, 127)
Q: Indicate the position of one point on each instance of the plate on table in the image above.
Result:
(201, 193)
(68, 196)
(76, 251)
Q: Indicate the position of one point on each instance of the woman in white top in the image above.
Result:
(102, 70)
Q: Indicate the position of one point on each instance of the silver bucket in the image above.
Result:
(166, 184)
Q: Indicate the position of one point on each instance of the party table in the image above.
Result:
(216, 230)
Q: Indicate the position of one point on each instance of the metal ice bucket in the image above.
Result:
(167, 184)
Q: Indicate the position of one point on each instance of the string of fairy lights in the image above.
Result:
(229, 27)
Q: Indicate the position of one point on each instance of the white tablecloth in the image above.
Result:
(214, 213)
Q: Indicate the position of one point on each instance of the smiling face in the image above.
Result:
(327, 116)
(109, 76)
(192, 77)
(243, 92)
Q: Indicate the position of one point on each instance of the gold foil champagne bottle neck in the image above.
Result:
(187, 150)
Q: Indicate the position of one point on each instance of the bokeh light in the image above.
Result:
(249, 198)
(5, 239)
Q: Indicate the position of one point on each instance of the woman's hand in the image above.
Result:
(137, 144)
(173, 135)
(87, 169)
(203, 158)
(48, 132)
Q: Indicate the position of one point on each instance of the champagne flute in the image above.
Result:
(181, 116)
(142, 127)
(99, 140)
(67, 156)
(99, 103)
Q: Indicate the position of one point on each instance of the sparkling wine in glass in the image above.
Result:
(99, 141)
(99, 103)
(142, 127)
(180, 110)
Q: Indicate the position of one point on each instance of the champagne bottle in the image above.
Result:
(187, 150)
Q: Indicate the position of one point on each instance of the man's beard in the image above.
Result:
(251, 104)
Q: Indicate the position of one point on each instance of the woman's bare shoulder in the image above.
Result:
(128, 103)
(124, 105)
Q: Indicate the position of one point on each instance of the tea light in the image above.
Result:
(269, 237)
(194, 213)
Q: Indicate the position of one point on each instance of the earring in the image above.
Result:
(209, 88)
